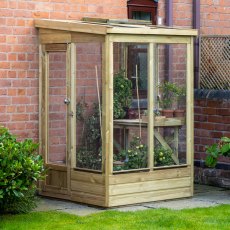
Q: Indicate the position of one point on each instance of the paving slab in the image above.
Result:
(204, 196)
(50, 204)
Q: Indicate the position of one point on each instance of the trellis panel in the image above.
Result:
(215, 62)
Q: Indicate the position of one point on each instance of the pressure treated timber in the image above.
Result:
(56, 189)
(190, 112)
(158, 123)
(56, 47)
(134, 198)
(93, 178)
(150, 105)
(97, 28)
(54, 194)
(88, 198)
(56, 178)
(55, 38)
(71, 26)
(73, 100)
(138, 187)
(92, 188)
(157, 39)
(108, 188)
(161, 174)
(82, 37)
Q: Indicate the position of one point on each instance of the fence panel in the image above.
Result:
(215, 62)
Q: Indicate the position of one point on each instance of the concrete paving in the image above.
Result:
(204, 196)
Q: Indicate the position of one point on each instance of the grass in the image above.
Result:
(200, 218)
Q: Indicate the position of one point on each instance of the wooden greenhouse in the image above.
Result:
(106, 89)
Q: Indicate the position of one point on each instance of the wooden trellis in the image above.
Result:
(215, 62)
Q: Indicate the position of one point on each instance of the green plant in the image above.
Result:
(169, 92)
(89, 159)
(20, 168)
(122, 96)
(163, 156)
(89, 154)
(180, 94)
(80, 110)
(135, 157)
(222, 148)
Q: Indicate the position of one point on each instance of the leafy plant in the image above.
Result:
(89, 159)
(135, 157)
(163, 156)
(222, 148)
(80, 110)
(122, 96)
(89, 154)
(169, 92)
(20, 168)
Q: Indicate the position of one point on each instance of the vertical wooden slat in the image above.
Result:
(40, 96)
(190, 113)
(69, 116)
(103, 138)
(73, 104)
(45, 104)
(41, 134)
(150, 105)
(108, 116)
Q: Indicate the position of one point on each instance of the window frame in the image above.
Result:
(147, 6)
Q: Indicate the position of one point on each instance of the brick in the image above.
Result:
(21, 100)
(223, 112)
(210, 111)
(214, 104)
(214, 119)
(216, 134)
(208, 126)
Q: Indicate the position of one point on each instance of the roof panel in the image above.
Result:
(111, 27)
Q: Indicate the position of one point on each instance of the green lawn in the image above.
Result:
(199, 218)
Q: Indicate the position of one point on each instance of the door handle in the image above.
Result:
(66, 101)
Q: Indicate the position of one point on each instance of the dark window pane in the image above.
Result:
(139, 15)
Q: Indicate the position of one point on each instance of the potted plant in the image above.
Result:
(180, 94)
(134, 157)
(122, 95)
(166, 98)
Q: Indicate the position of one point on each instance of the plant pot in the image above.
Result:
(179, 113)
(132, 114)
(167, 113)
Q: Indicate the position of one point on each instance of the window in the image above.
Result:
(142, 10)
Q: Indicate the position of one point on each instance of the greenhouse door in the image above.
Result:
(55, 118)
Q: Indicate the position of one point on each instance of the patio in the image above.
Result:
(204, 196)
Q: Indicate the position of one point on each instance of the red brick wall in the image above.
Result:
(212, 121)
(215, 15)
(19, 53)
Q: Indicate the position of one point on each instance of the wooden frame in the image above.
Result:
(107, 188)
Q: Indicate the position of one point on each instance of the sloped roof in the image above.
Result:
(111, 27)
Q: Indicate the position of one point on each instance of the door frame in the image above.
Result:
(70, 51)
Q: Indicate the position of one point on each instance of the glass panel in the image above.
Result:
(88, 105)
(140, 15)
(129, 106)
(57, 108)
(170, 110)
